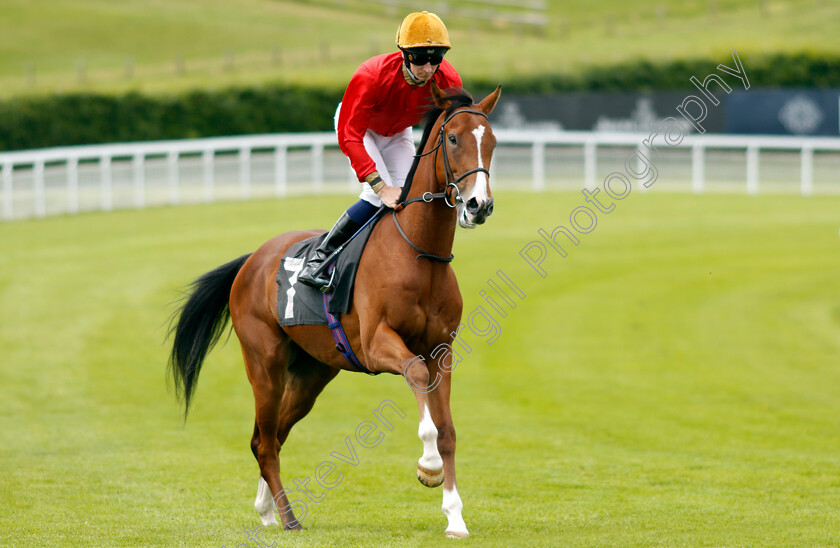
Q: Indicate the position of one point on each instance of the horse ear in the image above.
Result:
(489, 103)
(441, 100)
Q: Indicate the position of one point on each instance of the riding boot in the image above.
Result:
(339, 234)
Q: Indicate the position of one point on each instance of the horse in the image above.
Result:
(404, 307)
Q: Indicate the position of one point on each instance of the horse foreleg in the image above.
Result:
(442, 417)
(389, 353)
(430, 465)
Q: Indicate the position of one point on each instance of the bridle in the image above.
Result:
(451, 183)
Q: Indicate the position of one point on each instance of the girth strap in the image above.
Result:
(342, 344)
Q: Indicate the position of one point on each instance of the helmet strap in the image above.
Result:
(409, 76)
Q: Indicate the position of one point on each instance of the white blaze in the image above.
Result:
(480, 189)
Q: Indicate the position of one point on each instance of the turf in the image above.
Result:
(672, 381)
(164, 47)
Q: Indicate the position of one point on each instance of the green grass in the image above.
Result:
(43, 43)
(673, 381)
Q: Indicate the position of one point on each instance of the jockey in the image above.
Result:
(387, 95)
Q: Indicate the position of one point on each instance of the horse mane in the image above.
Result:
(457, 97)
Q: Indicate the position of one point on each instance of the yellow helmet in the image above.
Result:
(422, 29)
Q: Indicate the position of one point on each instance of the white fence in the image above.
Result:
(731, 162)
(64, 180)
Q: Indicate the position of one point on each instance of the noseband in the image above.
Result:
(451, 182)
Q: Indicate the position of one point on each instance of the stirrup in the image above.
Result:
(313, 280)
(330, 285)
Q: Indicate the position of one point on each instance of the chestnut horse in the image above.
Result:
(404, 306)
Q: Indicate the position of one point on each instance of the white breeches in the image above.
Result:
(392, 155)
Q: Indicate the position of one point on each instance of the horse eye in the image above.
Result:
(452, 139)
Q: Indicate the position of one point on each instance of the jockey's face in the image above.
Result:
(423, 72)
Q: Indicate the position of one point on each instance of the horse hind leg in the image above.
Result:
(303, 382)
(264, 503)
(271, 495)
(267, 372)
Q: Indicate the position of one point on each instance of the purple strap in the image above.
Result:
(340, 337)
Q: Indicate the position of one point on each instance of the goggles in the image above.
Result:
(421, 56)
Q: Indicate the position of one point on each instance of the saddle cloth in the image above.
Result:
(299, 304)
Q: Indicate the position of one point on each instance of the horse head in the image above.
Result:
(466, 146)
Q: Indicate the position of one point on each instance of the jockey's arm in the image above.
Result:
(356, 107)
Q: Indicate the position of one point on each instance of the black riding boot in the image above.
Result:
(339, 234)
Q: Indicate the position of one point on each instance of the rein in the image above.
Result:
(451, 182)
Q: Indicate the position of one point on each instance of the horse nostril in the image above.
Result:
(490, 208)
(472, 205)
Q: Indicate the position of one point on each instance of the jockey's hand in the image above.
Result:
(390, 195)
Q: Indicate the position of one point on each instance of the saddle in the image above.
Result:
(299, 304)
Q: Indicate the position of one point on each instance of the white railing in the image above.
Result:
(32, 167)
(38, 183)
(698, 145)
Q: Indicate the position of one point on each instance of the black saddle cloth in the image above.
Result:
(299, 304)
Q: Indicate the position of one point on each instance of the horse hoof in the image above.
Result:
(293, 526)
(428, 478)
(457, 534)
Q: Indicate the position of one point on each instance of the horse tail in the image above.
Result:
(201, 321)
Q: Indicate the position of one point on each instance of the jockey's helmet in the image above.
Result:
(422, 30)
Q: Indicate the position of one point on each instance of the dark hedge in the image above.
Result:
(34, 122)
